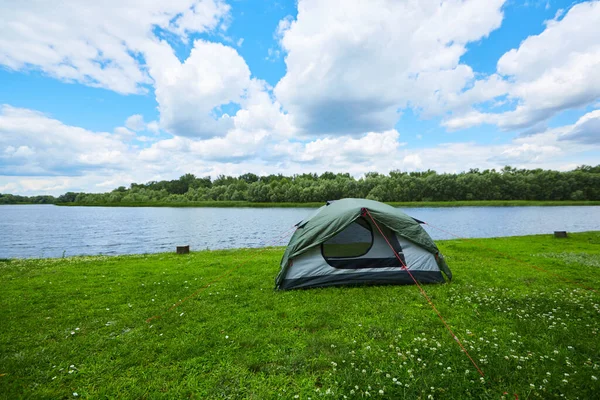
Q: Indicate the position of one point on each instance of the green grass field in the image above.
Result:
(407, 204)
(78, 325)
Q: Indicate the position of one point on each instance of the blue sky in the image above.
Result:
(148, 90)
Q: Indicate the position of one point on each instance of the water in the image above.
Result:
(51, 231)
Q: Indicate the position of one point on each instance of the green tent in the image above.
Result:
(358, 241)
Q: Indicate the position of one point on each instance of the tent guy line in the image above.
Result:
(366, 212)
(337, 246)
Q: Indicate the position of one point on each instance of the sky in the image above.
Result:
(95, 95)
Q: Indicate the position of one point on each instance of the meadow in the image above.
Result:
(105, 327)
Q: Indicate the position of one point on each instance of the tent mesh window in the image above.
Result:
(354, 241)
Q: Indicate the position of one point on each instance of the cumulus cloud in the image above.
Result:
(121, 45)
(32, 143)
(351, 71)
(188, 93)
(124, 134)
(347, 150)
(586, 130)
(351, 68)
(548, 73)
(135, 123)
(254, 130)
(39, 154)
(154, 127)
(525, 154)
(98, 43)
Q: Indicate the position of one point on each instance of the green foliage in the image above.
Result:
(15, 199)
(507, 184)
(581, 184)
(79, 325)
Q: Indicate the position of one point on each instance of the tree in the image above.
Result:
(508, 183)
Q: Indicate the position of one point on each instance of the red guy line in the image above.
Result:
(404, 267)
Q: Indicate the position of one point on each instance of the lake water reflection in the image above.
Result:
(51, 231)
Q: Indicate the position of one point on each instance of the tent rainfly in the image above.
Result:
(350, 242)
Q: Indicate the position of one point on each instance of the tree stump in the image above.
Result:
(183, 249)
(560, 234)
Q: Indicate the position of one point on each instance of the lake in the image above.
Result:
(51, 231)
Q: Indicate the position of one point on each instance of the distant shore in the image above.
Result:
(412, 204)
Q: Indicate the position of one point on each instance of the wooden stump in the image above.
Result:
(560, 234)
(183, 249)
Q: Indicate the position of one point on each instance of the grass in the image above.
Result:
(78, 325)
(470, 203)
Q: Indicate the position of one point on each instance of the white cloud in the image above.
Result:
(222, 149)
(120, 45)
(197, 16)
(154, 127)
(346, 150)
(32, 143)
(586, 130)
(548, 73)
(351, 67)
(254, 129)
(39, 154)
(525, 154)
(97, 43)
(38, 185)
(135, 122)
(124, 134)
(351, 70)
(413, 162)
(188, 93)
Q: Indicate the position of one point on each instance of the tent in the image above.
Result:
(358, 241)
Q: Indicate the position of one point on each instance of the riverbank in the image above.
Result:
(410, 204)
(78, 325)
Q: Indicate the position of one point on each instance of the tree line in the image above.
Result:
(582, 183)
